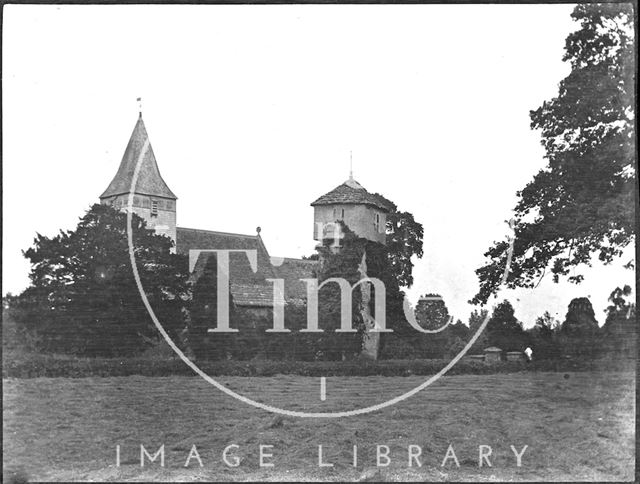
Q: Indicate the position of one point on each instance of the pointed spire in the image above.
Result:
(149, 180)
(351, 181)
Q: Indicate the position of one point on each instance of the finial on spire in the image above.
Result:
(350, 165)
(139, 106)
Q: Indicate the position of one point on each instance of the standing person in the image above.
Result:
(528, 352)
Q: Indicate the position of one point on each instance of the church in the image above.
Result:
(363, 212)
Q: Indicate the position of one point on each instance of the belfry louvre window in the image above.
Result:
(154, 208)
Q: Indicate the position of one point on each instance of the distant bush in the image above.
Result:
(40, 365)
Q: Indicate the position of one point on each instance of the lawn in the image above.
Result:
(577, 426)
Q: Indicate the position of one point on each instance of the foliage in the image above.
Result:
(83, 297)
(504, 330)
(454, 346)
(56, 366)
(579, 333)
(476, 318)
(404, 240)
(397, 348)
(203, 316)
(543, 337)
(582, 202)
(432, 313)
(621, 326)
(345, 264)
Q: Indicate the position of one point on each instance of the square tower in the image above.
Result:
(152, 199)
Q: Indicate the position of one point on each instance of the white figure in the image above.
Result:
(528, 352)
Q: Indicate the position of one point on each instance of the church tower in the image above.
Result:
(153, 200)
(363, 212)
(366, 215)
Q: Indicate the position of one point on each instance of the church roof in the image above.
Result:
(351, 192)
(248, 288)
(149, 180)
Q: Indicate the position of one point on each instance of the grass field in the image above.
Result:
(577, 426)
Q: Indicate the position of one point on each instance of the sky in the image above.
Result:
(252, 112)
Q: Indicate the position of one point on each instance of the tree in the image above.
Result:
(476, 318)
(83, 297)
(543, 337)
(579, 333)
(432, 313)
(203, 316)
(404, 240)
(620, 328)
(457, 336)
(582, 202)
(504, 330)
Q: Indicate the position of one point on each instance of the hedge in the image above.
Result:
(43, 365)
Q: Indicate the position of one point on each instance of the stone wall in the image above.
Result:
(359, 218)
(163, 223)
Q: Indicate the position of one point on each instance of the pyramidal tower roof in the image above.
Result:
(149, 180)
(351, 192)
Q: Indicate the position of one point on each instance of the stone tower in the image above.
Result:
(153, 200)
(363, 212)
(366, 215)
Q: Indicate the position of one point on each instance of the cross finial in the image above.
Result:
(139, 106)
(350, 165)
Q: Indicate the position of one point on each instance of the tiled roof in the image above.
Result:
(351, 192)
(149, 180)
(248, 288)
(256, 295)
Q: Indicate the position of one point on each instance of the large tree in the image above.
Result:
(432, 313)
(620, 330)
(404, 241)
(579, 333)
(543, 337)
(83, 297)
(582, 203)
(504, 330)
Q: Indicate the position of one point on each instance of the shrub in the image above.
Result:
(40, 365)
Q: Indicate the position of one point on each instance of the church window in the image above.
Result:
(154, 208)
(376, 222)
(342, 214)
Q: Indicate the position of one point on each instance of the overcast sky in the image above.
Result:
(252, 112)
